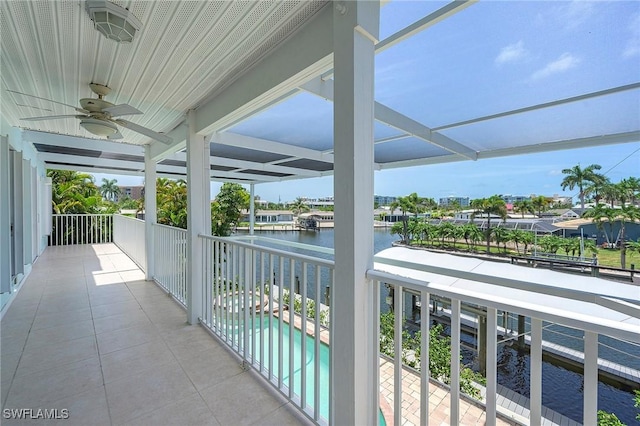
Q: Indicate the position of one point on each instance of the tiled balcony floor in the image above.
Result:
(86, 333)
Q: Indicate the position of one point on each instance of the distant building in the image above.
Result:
(384, 200)
(449, 201)
(133, 192)
(318, 203)
(512, 199)
(270, 216)
(557, 199)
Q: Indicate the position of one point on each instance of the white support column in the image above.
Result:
(198, 203)
(150, 212)
(5, 217)
(590, 415)
(28, 226)
(18, 219)
(355, 30)
(491, 367)
(252, 209)
(535, 381)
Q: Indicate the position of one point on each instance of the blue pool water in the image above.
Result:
(263, 331)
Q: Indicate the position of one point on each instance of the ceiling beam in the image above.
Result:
(244, 176)
(424, 23)
(593, 141)
(384, 114)
(234, 139)
(103, 163)
(541, 106)
(52, 139)
(271, 81)
(297, 60)
(243, 164)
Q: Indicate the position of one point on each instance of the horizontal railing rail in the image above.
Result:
(129, 236)
(491, 307)
(266, 304)
(170, 251)
(72, 229)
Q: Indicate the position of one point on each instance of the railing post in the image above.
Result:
(149, 212)
(355, 31)
(454, 394)
(198, 202)
(535, 381)
(590, 414)
(491, 326)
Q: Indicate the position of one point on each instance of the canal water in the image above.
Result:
(561, 387)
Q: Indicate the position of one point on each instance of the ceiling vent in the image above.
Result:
(113, 21)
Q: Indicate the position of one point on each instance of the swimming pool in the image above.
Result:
(264, 329)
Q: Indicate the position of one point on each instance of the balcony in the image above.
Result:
(86, 333)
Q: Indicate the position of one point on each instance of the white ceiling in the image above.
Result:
(234, 63)
(184, 52)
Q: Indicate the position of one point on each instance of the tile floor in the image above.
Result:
(87, 334)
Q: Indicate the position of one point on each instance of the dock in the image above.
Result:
(608, 370)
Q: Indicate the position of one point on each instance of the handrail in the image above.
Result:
(611, 328)
(309, 247)
(296, 256)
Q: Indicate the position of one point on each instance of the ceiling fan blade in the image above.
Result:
(122, 109)
(143, 130)
(52, 117)
(116, 135)
(49, 100)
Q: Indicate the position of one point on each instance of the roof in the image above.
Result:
(573, 224)
(259, 82)
(263, 212)
(568, 301)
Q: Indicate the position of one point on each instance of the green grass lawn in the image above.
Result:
(606, 257)
(611, 257)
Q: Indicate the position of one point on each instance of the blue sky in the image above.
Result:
(491, 57)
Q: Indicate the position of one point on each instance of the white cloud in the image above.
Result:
(565, 62)
(578, 12)
(512, 53)
(633, 44)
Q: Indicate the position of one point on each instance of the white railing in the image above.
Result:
(170, 251)
(129, 235)
(247, 297)
(489, 307)
(71, 229)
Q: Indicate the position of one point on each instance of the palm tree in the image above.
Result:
(501, 235)
(405, 204)
(171, 198)
(596, 187)
(632, 188)
(73, 192)
(488, 206)
(110, 189)
(601, 214)
(468, 232)
(627, 213)
(577, 177)
(517, 236)
(299, 206)
(524, 206)
(540, 203)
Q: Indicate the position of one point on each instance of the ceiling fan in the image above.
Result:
(98, 116)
